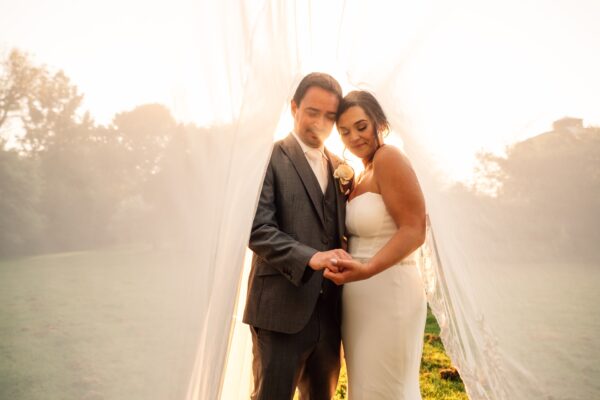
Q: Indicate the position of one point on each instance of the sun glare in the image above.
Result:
(464, 77)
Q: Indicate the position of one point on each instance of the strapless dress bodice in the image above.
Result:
(369, 225)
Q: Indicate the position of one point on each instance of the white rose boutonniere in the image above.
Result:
(344, 174)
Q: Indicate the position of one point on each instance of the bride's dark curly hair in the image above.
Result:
(371, 107)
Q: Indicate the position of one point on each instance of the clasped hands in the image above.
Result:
(339, 266)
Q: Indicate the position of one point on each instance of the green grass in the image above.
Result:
(434, 360)
(116, 324)
(93, 326)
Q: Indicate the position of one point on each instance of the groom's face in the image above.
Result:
(315, 115)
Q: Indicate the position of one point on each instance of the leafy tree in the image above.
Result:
(71, 184)
(549, 188)
(21, 224)
(52, 194)
(174, 192)
(40, 104)
(51, 118)
(17, 79)
(144, 133)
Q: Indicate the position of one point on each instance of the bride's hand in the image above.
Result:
(348, 271)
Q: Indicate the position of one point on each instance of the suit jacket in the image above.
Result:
(288, 229)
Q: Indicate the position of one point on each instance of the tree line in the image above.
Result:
(68, 183)
(540, 201)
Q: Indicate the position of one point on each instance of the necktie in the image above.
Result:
(318, 164)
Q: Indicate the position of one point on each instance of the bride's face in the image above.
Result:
(357, 132)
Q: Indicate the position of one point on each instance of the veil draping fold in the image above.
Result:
(510, 264)
(495, 293)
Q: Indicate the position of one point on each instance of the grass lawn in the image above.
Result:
(94, 326)
(116, 324)
(434, 360)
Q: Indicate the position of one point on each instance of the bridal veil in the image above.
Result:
(476, 93)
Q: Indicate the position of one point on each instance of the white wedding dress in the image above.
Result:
(383, 317)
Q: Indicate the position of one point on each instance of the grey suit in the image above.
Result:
(294, 312)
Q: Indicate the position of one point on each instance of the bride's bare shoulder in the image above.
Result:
(390, 157)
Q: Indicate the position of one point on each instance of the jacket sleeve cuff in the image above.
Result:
(300, 272)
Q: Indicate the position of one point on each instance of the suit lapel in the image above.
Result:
(294, 152)
(340, 198)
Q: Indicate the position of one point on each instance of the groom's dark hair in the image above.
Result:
(319, 79)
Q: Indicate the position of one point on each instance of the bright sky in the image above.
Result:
(473, 74)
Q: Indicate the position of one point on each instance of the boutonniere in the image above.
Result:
(344, 174)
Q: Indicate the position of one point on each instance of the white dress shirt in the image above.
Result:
(317, 160)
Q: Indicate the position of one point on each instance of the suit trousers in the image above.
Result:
(309, 359)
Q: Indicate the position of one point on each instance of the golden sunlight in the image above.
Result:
(466, 77)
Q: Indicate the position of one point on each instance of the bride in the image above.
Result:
(383, 300)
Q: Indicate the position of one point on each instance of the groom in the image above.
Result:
(293, 312)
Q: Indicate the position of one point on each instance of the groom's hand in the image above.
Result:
(325, 259)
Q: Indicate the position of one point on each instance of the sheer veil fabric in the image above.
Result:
(499, 297)
(511, 264)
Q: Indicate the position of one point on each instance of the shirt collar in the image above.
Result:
(306, 148)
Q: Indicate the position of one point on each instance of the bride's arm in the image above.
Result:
(404, 201)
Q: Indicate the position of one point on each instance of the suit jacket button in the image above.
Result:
(324, 240)
(321, 291)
